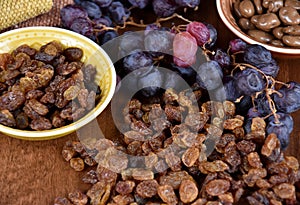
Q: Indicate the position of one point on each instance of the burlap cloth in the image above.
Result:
(51, 18)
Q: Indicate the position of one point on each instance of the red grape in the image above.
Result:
(184, 48)
(199, 31)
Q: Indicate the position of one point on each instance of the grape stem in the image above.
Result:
(282, 83)
(131, 22)
(175, 15)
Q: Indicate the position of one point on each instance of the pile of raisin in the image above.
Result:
(46, 88)
(163, 158)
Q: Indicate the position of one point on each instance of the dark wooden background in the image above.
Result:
(35, 173)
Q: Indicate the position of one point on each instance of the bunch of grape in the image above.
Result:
(244, 74)
(91, 17)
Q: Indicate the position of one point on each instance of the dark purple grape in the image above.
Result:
(270, 69)
(71, 12)
(103, 3)
(199, 31)
(281, 130)
(222, 58)
(151, 83)
(249, 81)
(131, 41)
(139, 3)
(118, 12)
(237, 45)
(82, 26)
(227, 91)
(290, 100)
(213, 35)
(256, 54)
(107, 36)
(284, 118)
(99, 22)
(188, 3)
(188, 73)
(262, 105)
(151, 27)
(253, 112)
(159, 41)
(164, 8)
(136, 61)
(91, 8)
(209, 75)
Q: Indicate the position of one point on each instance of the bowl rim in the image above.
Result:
(91, 115)
(242, 35)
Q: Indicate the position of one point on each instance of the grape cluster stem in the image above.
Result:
(131, 22)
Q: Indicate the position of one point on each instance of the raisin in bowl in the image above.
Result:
(81, 69)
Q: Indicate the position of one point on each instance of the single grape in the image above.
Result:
(188, 73)
(209, 75)
(188, 3)
(199, 31)
(139, 3)
(262, 105)
(104, 20)
(99, 23)
(164, 8)
(249, 81)
(253, 112)
(281, 130)
(184, 49)
(213, 35)
(151, 83)
(222, 58)
(136, 61)
(227, 91)
(289, 101)
(131, 41)
(237, 45)
(256, 54)
(103, 3)
(284, 118)
(159, 41)
(118, 12)
(91, 8)
(71, 12)
(82, 26)
(107, 36)
(270, 69)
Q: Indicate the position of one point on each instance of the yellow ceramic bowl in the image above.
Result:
(93, 54)
(225, 11)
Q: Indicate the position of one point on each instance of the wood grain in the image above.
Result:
(35, 173)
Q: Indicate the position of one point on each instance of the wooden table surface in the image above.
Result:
(35, 172)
